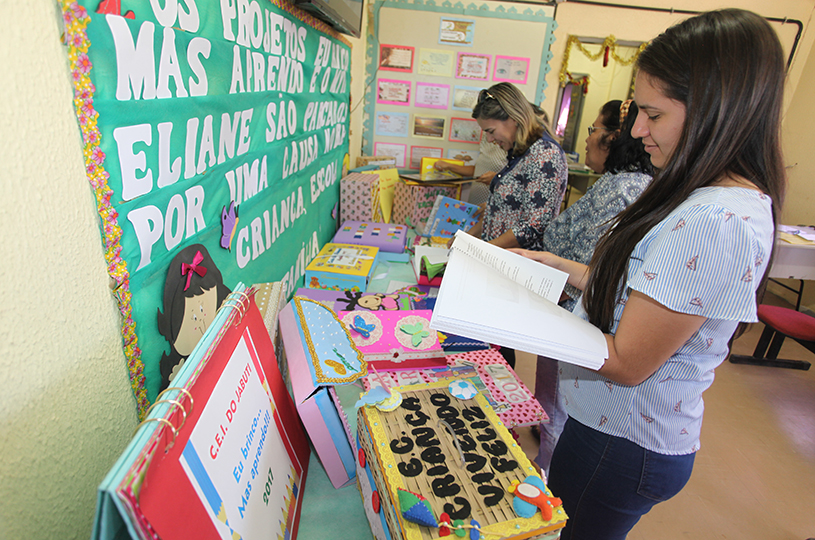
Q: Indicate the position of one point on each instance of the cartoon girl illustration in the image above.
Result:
(372, 302)
(193, 292)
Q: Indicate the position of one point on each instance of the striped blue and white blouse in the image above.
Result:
(706, 258)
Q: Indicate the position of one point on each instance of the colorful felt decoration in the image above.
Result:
(362, 328)
(460, 532)
(475, 532)
(416, 508)
(444, 519)
(530, 495)
(463, 389)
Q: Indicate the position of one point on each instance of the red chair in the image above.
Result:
(780, 323)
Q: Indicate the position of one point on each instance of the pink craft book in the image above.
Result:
(395, 339)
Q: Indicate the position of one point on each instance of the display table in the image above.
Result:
(794, 260)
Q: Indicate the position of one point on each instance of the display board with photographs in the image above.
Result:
(424, 80)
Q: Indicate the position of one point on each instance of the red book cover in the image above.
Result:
(237, 466)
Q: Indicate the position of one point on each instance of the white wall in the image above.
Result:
(66, 410)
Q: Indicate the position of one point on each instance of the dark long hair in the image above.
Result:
(727, 68)
(503, 101)
(625, 153)
(169, 322)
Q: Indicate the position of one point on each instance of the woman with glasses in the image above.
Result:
(527, 193)
(626, 171)
(677, 273)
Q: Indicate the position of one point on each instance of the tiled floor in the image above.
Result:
(754, 477)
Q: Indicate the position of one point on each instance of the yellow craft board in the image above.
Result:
(396, 430)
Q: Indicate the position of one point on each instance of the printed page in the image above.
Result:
(478, 302)
(542, 280)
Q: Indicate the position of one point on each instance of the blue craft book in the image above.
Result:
(448, 216)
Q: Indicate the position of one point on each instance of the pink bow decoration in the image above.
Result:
(188, 269)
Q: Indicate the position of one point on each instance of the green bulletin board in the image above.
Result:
(215, 134)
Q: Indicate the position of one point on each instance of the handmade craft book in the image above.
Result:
(395, 339)
(321, 356)
(444, 465)
(448, 216)
(515, 305)
(220, 455)
(387, 237)
(341, 266)
(509, 397)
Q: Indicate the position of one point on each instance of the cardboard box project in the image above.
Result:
(322, 363)
(413, 201)
(359, 198)
(395, 339)
(341, 266)
(388, 238)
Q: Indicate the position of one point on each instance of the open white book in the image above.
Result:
(494, 295)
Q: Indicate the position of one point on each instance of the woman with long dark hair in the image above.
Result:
(677, 273)
(626, 172)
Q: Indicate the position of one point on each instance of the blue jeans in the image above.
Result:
(607, 483)
(547, 392)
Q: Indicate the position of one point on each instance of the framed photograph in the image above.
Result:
(473, 66)
(396, 151)
(429, 127)
(465, 97)
(454, 31)
(391, 92)
(436, 62)
(465, 130)
(419, 152)
(392, 124)
(433, 96)
(511, 69)
(462, 154)
(396, 58)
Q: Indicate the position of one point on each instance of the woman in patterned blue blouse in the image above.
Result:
(678, 272)
(527, 193)
(626, 172)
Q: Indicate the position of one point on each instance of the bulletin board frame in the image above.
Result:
(487, 16)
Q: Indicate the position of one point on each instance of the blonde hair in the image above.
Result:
(505, 101)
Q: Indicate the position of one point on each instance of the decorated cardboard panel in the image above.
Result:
(320, 354)
(448, 216)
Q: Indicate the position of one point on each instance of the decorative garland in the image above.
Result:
(582, 81)
(76, 20)
(607, 49)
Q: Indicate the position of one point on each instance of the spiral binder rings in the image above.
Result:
(221, 453)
